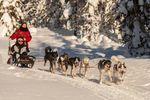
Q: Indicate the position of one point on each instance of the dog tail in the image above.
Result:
(86, 60)
(115, 58)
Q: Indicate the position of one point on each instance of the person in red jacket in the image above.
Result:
(22, 32)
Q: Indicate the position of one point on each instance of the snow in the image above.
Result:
(6, 3)
(68, 10)
(38, 84)
(94, 3)
(62, 2)
(130, 4)
(6, 18)
(33, 30)
(147, 84)
(123, 9)
(141, 2)
(3, 30)
(147, 1)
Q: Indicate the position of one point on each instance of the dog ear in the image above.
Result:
(119, 63)
(124, 65)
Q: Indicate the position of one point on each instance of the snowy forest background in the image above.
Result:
(123, 21)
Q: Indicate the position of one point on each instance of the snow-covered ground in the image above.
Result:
(38, 84)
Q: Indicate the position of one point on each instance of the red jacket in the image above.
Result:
(19, 33)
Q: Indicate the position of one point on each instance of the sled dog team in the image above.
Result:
(116, 73)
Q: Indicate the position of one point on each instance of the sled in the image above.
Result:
(27, 61)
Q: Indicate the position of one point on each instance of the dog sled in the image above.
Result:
(27, 61)
(20, 60)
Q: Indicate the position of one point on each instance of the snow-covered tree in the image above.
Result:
(80, 16)
(10, 15)
(43, 13)
(134, 19)
(88, 20)
(108, 25)
(91, 18)
(29, 9)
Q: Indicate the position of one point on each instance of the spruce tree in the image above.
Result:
(133, 16)
(10, 15)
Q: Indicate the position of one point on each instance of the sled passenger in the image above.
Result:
(18, 49)
(24, 33)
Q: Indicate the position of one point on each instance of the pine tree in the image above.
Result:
(30, 9)
(43, 13)
(84, 21)
(89, 19)
(134, 19)
(108, 25)
(10, 15)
